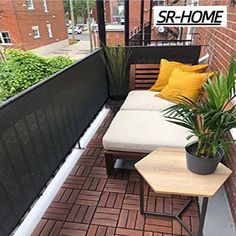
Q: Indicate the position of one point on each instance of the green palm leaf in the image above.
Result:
(208, 119)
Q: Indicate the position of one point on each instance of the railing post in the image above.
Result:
(141, 21)
(101, 22)
(126, 22)
(150, 19)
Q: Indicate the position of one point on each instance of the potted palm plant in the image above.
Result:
(116, 60)
(208, 120)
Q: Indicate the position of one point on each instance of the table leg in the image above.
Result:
(202, 216)
(141, 182)
(177, 216)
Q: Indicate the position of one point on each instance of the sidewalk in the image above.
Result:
(75, 51)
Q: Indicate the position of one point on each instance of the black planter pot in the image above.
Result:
(199, 165)
(114, 103)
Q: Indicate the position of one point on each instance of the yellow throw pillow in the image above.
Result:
(184, 84)
(166, 68)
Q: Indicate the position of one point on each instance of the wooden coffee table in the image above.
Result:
(165, 172)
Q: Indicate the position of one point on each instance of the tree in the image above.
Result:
(80, 7)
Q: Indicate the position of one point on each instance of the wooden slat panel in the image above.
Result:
(146, 76)
(132, 77)
(138, 72)
(143, 85)
(144, 66)
(143, 76)
(150, 81)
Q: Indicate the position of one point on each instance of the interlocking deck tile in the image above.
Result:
(116, 186)
(106, 216)
(91, 203)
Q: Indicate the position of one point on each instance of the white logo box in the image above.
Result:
(197, 16)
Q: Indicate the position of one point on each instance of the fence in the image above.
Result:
(39, 128)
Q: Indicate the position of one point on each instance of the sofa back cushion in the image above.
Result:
(166, 68)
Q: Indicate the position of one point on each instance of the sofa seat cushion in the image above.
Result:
(142, 131)
(145, 100)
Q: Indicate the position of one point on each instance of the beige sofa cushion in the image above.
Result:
(144, 100)
(142, 131)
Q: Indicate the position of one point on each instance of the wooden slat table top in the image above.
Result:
(166, 172)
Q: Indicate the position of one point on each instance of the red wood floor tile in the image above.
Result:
(91, 203)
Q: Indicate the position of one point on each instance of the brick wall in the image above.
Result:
(134, 14)
(221, 41)
(230, 184)
(108, 11)
(135, 11)
(115, 38)
(20, 26)
(8, 18)
(222, 44)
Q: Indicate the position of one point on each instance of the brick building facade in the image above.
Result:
(118, 37)
(32, 24)
(135, 12)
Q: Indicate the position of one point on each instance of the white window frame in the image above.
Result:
(45, 5)
(2, 38)
(36, 28)
(49, 27)
(30, 4)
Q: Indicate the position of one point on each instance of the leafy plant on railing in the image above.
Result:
(24, 69)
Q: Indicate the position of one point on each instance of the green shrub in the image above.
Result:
(24, 69)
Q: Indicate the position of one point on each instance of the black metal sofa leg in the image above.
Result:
(109, 164)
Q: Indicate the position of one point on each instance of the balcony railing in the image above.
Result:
(143, 37)
(40, 126)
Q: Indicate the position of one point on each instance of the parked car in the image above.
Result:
(77, 30)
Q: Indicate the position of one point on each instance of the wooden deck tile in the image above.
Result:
(91, 203)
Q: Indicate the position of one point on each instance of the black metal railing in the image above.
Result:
(135, 38)
(39, 128)
(147, 33)
(152, 54)
(144, 35)
(185, 39)
(140, 36)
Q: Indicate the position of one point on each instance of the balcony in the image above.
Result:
(40, 128)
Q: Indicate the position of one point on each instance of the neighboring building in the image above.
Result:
(110, 9)
(135, 12)
(114, 35)
(113, 15)
(31, 24)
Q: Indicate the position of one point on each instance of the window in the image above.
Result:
(158, 2)
(49, 30)
(36, 33)
(30, 4)
(5, 38)
(45, 5)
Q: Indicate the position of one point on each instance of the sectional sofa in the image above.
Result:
(139, 127)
